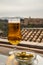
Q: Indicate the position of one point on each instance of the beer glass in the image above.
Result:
(14, 33)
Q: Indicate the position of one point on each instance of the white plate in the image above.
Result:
(11, 58)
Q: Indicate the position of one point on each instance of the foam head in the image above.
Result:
(14, 21)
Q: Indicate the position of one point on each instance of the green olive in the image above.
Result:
(24, 56)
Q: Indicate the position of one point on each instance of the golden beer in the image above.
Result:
(14, 33)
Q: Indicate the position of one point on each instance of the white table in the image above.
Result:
(3, 59)
(8, 59)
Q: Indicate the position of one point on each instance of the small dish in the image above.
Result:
(25, 58)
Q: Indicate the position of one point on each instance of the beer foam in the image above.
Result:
(14, 21)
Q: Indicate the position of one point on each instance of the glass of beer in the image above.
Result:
(14, 32)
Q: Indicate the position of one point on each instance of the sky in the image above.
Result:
(21, 8)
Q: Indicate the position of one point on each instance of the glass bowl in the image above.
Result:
(24, 57)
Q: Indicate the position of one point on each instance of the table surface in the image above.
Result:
(4, 55)
(6, 48)
(3, 59)
(8, 59)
